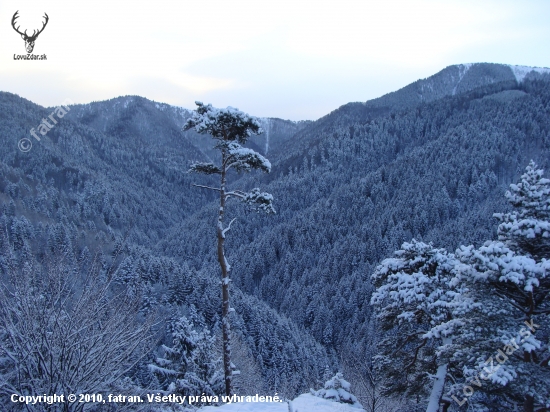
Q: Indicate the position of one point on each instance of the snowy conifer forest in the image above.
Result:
(406, 266)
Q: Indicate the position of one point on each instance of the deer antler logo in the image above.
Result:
(29, 40)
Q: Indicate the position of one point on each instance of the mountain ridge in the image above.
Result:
(451, 81)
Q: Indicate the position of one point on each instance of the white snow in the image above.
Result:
(248, 406)
(308, 402)
(462, 69)
(521, 71)
(266, 122)
(246, 159)
(303, 403)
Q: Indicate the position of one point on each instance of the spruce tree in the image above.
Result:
(527, 229)
(417, 296)
(337, 389)
(511, 278)
(188, 366)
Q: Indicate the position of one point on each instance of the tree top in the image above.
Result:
(227, 124)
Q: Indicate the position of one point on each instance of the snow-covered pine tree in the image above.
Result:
(511, 277)
(337, 389)
(230, 128)
(416, 297)
(189, 366)
(486, 373)
(526, 230)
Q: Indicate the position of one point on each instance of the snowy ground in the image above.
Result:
(303, 403)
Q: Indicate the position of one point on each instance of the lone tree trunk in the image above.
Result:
(226, 327)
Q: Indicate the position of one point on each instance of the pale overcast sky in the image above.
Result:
(296, 59)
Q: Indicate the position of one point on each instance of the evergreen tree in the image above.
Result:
(337, 389)
(189, 366)
(418, 294)
(230, 128)
(527, 229)
(511, 277)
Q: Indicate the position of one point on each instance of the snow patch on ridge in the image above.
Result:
(267, 136)
(462, 70)
(521, 71)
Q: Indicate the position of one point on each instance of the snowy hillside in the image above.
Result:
(521, 71)
(302, 403)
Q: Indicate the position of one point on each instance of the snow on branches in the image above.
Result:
(224, 124)
(419, 286)
(532, 195)
(232, 128)
(256, 200)
(528, 226)
(337, 389)
(244, 159)
(260, 201)
(496, 262)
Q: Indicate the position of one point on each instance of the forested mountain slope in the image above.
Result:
(158, 125)
(452, 80)
(436, 172)
(82, 192)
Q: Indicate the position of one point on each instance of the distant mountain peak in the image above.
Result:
(453, 80)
